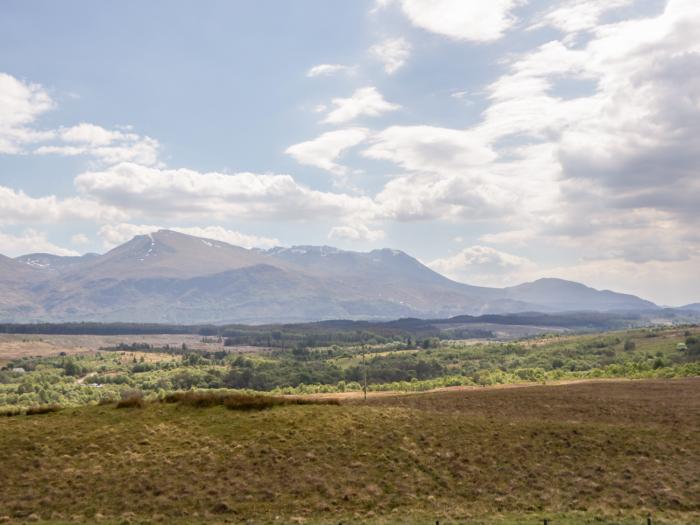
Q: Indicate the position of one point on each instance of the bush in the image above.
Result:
(43, 409)
(132, 401)
(630, 345)
(240, 401)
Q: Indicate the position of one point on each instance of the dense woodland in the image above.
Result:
(344, 332)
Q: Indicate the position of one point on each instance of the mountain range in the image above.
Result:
(171, 277)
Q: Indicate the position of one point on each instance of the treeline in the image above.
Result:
(105, 329)
(324, 333)
(248, 374)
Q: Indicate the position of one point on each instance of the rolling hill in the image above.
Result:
(177, 278)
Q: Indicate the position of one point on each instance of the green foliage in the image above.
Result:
(394, 365)
(692, 344)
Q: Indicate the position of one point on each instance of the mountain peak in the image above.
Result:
(168, 276)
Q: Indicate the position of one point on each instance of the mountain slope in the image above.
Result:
(168, 254)
(561, 295)
(17, 301)
(54, 263)
(177, 278)
(695, 307)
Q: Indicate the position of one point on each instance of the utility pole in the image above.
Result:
(364, 365)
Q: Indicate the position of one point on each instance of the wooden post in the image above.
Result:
(364, 365)
(546, 521)
(648, 520)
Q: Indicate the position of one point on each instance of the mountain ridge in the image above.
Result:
(167, 276)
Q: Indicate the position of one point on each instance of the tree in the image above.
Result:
(71, 369)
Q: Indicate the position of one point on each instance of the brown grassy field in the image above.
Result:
(605, 452)
(14, 346)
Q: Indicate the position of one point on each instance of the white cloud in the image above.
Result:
(21, 104)
(16, 207)
(474, 20)
(79, 239)
(355, 232)
(188, 193)
(392, 52)
(452, 175)
(511, 237)
(430, 149)
(31, 241)
(485, 266)
(428, 197)
(106, 145)
(577, 15)
(115, 234)
(631, 148)
(609, 173)
(363, 102)
(324, 150)
(327, 70)
(85, 133)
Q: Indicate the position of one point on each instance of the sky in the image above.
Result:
(498, 142)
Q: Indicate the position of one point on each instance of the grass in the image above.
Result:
(31, 411)
(606, 452)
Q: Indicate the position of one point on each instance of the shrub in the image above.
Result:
(43, 409)
(240, 401)
(630, 345)
(132, 401)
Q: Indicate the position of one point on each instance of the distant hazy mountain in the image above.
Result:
(695, 307)
(172, 277)
(47, 261)
(561, 295)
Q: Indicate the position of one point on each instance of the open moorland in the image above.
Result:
(598, 452)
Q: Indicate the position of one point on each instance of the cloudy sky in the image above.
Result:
(496, 141)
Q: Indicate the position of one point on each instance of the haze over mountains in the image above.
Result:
(177, 278)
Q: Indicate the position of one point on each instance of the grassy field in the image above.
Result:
(598, 452)
(15, 346)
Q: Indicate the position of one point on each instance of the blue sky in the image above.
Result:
(498, 142)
